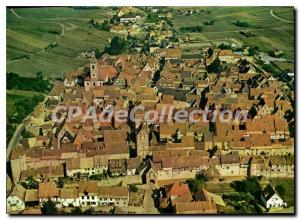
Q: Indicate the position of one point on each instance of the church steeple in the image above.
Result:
(94, 70)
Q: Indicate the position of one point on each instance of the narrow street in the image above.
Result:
(148, 201)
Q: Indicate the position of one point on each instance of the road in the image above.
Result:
(280, 19)
(15, 139)
(148, 201)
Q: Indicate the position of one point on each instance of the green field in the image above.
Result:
(31, 31)
(270, 32)
(19, 105)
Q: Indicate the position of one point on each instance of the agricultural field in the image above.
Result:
(19, 104)
(270, 32)
(50, 39)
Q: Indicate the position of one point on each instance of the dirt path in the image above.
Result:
(13, 11)
(280, 19)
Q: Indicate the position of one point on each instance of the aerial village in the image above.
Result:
(112, 167)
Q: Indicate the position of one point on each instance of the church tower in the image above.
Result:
(142, 141)
(94, 70)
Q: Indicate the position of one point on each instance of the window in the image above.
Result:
(92, 197)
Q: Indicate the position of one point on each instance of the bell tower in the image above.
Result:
(93, 70)
(142, 141)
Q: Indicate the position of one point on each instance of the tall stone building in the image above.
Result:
(142, 140)
(100, 73)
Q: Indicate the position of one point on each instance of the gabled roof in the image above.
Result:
(177, 189)
(88, 187)
(196, 207)
(48, 190)
(269, 191)
(69, 193)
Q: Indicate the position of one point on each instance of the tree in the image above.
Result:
(86, 70)
(191, 29)
(280, 189)
(105, 174)
(224, 46)
(241, 23)
(193, 185)
(215, 66)
(210, 52)
(202, 176)
(60, 182)
(250, 185)
(105, 25)
(133, 188)
(117, 46)
(39, 75)
(76, 211)
(169, 22)
(32, 183)
(209, 22)
(49, 208)
(98, 53)
(212, 151)
(243, 66)
(251, 51)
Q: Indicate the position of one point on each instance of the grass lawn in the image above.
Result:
(284, 210)
(219, 187)
(288, 184)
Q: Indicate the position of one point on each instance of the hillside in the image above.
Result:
(50, 39)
